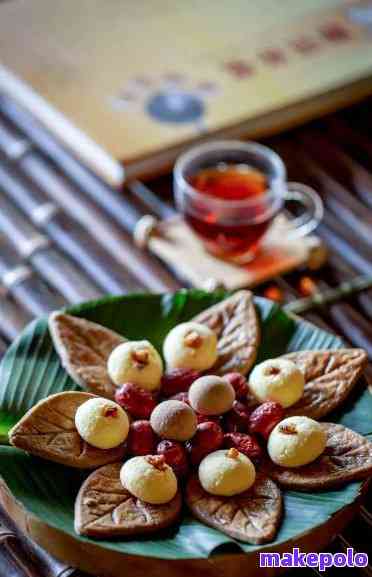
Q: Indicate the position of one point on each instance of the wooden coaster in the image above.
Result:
(181, 249)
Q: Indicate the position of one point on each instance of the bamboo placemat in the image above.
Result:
(66, 236)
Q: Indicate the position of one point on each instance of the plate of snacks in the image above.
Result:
(191, 431)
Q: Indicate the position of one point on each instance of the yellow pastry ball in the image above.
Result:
(296, 441)
(277, 380)
(102, 423)
(211, 395)
(150, 479)
(226, 473)
(190, 346)
(136, 362)
(174, 420)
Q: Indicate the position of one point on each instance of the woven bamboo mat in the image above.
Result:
(65, 237)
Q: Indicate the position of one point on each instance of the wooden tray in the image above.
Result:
(91, 557)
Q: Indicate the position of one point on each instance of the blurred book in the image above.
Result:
(136, 82)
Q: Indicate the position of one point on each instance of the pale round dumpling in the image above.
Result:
(278, 380)
(136, 362)
(296, 441)
(226, 473)
(150, 479)
(102, 423)
(190, 346)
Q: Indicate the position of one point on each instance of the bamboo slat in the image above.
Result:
(86, 226)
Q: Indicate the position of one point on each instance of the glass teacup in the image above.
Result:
(232, 218)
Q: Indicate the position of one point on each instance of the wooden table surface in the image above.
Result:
(65, 237)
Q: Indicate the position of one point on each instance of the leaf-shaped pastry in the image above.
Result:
(330, 376)
(347, 457)
(104, 509)
(236, 325)
(84, 348)
(253, 516)
(48, 431)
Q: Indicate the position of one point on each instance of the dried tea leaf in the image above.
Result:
(347, 457)
(48, 431)
(253, 516)
(236, 325)
(330, 375)
(104, 509)
(84, 348)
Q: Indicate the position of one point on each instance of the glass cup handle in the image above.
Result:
(313, 204)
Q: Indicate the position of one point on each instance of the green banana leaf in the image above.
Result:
(31, 371)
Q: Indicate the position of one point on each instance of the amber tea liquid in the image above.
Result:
(225, 236)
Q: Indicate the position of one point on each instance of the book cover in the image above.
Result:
(144, 79)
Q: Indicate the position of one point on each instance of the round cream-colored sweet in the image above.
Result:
(296, 441)
(102, 423)
(150, 479)
(226, 472)
(190, 346)
(277, 380)
(211, 395)
(136, 362)
(174, 420)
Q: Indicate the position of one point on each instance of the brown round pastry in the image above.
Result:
(174, 420)
(211, 395)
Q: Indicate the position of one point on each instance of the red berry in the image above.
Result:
(239, 383)
(184, 397)
(246, 444)
(177, 381)
(138, 402)
(175, 456)
(208, 419)
(264, 418)
(141, 439)
(237, 419)
(208, 438)
(196, 454)
(208, 435)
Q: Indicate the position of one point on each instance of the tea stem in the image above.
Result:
(329, 296)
